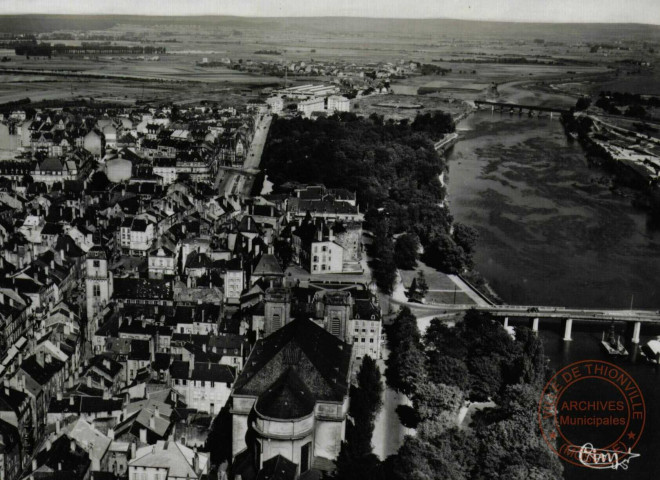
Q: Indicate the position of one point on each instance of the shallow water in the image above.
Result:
(550, 233)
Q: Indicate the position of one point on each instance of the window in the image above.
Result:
(96, 290)
(335, 326)
(96, 264)
(305, 452)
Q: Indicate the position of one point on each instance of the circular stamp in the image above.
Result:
(592, 414)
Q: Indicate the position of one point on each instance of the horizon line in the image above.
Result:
(272, 17)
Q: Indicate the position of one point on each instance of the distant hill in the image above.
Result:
(423, 28)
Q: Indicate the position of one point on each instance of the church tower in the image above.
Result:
(338, 313)
(277, 309)
(98, 286)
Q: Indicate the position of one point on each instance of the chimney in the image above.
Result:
(143, 435)
(320, 234)
(133, 448)
(46, 270)
(57, 426)
(204, 347)
(73, 446)
(71, 401)
(152, 422)
(52, 264)
(157, 412)
(40, 358)
(59, 396)
(71, 382)
(195, 464)
(89, 381)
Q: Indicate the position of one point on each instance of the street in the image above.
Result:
(231, 182)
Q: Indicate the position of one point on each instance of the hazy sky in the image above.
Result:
(642, 11)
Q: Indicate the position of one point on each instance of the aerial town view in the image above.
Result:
(304, 240)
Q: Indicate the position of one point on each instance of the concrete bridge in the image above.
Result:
(568, 315)
(512, 107)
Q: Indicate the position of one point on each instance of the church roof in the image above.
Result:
(319, 359)
(287, 398)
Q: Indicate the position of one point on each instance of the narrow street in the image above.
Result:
(231, 182)
(388, 432)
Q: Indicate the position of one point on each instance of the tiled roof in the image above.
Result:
(321, 361)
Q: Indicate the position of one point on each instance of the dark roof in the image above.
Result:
(321, 361)
(142, 288)
(268, 266)
(206, 371)
(59, 457)
(287, 398)
(42, 375)
(278, 468)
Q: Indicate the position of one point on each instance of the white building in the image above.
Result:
(205, 386)
(337, 103)
(162, 263)
(136, 236)
(276, 104)
(168, 460)
(306, 107)
(98, 285)
(326, 257)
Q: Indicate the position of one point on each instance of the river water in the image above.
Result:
(553, 233)
(550, 233)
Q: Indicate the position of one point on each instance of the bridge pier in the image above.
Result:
(506, 322)
(568, 326)
(637, 327)
(535, 325)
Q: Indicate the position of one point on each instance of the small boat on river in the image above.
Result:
(612, 343)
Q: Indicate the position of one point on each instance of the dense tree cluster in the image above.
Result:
(356, 459)
(394, 169)
(477, 360)
(630, 104)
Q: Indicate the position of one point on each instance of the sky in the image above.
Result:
(608, 11)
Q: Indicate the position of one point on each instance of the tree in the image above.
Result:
(444, 254)
(370, 382)
(406, 250)
(422, 286)
(582, 104)
(465, 237)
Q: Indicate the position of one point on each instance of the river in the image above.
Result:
(553, 233)
(550, 233)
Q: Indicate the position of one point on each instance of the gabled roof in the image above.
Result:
(320, 360)
(268, 266)
(175, 457)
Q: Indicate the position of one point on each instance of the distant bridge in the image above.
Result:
(568, 315)
(512, 107)
(535, 314)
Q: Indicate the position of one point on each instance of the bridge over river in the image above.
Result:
(538, 314)
(512, 107)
